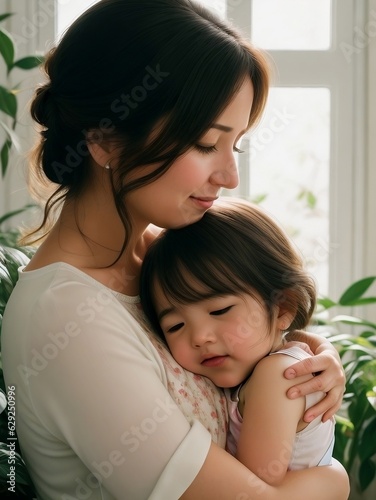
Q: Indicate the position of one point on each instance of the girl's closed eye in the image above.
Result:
(174, 328)
(219, 312)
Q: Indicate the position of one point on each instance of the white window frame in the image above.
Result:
(353, 123)
(347, 71)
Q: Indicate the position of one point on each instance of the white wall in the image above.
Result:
(370, 216)
(32, 28)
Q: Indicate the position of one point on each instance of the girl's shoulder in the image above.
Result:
(268, 375)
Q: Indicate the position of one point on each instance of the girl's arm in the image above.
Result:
(223, 477)
(330, 377)
(270, 420)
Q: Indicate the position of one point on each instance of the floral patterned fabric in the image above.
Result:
(196, 396)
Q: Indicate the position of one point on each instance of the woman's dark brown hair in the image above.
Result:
(236, 248)
(121, 69)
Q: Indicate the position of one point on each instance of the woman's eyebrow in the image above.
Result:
(222, 127)
(225, 128)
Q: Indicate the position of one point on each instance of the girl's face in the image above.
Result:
(191, 185)
(221, 338)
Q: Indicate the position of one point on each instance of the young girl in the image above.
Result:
(222, 293)
(141, 109)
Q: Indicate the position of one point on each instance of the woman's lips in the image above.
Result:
(204, 203)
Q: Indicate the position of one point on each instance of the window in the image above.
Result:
(305, 162)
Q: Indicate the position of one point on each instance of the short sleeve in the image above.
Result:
(94, 391)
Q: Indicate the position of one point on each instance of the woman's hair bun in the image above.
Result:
(43, 107)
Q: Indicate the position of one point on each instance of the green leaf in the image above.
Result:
(362, 301)
(4, 16)
(356, 291)
(23, 485)
(29, 62)
(367, 445)
(326, 303)
(367, 472)
(352, 320)
(12, 136)
(301, 194)
(360, 409)
(4, 156)
(7, 49)
(8, 102)
(344, 422)
(311, 199)
(8, 215)
(259, 198)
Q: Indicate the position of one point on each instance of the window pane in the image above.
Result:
(292, 24)
(289, 156)
(68, 11)
(218, 6)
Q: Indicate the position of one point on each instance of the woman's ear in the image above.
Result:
(99, 149)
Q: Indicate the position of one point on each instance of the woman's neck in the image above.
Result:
(89, 235)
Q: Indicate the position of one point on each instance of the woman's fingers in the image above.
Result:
(329, 378)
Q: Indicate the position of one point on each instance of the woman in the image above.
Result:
(144, 103)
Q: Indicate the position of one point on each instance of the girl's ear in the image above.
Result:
(284, 320)
(287, 309)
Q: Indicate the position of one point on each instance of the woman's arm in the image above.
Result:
(330, 377)
(222, 477)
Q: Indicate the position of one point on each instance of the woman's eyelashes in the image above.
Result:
(205, 149)
(211, 149)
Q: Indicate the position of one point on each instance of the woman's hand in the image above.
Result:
(329, 375)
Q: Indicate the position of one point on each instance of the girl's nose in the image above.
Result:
(202, 336)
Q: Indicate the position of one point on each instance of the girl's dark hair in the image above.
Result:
(235, 248)
(125, 67)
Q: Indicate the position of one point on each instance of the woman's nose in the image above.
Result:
(227, 177)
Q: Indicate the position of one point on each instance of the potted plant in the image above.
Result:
(14, 478)
(355, 340)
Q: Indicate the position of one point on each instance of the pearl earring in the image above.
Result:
(107, 167)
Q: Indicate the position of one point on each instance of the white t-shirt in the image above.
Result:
(94, 415)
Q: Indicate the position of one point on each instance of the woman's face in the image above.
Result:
(191, 185)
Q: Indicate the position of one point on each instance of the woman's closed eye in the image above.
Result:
(219, 312)
(211, 149)
(205, 149)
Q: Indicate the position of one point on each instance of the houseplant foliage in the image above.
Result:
(11, 257)
(355, 340)
(8, 95)
(10, 260)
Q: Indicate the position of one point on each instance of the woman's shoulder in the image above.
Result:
(61, 290)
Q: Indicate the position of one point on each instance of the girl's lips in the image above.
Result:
(202, 202)
(214, 361)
